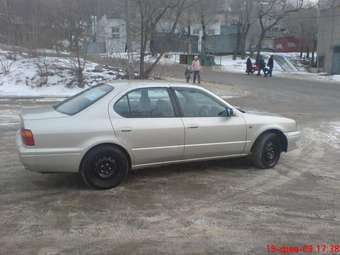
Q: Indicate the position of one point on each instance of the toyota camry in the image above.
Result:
(106, 130)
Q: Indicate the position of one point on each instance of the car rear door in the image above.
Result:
(147, 122)
(207, 133)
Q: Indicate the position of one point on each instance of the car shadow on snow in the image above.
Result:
(193, 168)
(228, 166)
(60, 181)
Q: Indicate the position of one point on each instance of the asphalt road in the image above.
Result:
(223, 207)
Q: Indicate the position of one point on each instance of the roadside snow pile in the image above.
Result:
(329, 77)
(167, 59)
(336, 78)
(22, 76)
(9, 117)
(283, 62)
(226, 63)
(334, 135)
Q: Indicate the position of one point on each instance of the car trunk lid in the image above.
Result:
(41, 113)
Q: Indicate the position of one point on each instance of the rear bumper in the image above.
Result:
(48, 161)
(293, 139)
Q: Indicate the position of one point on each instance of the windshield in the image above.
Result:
(83, 100)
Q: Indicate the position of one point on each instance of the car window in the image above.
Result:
(195, 103)
(146, 103)
(83, 100)
(122, 107)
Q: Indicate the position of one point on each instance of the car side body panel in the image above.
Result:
(62, 141)
(214, 137)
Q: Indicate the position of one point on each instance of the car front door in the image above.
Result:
(147, 123)
(208, 133)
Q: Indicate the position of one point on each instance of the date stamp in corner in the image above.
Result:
(322, 249)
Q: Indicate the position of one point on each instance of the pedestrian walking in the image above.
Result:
(261, 66)
(270, 65)
(249, 69)
(187, 73)
(196, 68)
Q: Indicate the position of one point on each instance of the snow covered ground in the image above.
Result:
(167, 59)
(282, 63)
(48, 76)
(330, 134)
(285, 65)
(326, 77)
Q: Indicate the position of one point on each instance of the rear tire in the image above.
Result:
(267, 151)
(104, 167)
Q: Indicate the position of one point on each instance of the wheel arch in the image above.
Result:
(121, 148)
(281, 135)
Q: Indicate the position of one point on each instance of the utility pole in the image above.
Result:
(128, 40)
(317, 36)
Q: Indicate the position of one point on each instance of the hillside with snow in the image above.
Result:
(45, 76)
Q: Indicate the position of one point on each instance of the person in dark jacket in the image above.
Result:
(187, 73)
(270, 66)
(249, 66)
(261, 66)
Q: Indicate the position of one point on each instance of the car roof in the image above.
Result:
(135, 84)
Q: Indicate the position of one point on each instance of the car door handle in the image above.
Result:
(193, 126)
(126, 130)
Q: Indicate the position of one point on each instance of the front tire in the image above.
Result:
(104, 167)
(267, 151)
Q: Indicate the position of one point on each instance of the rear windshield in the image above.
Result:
(83, 100)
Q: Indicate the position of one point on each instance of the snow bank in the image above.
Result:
(285, 65)
(9, 117)
(227, 64)
(333, 137)
(167, 59)
(49, 76)
(335, 78)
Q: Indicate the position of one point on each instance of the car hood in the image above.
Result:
(47, 112)
(264, 114)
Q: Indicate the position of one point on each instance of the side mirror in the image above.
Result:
(228, 113)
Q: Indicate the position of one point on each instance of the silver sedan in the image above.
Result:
(107, 130)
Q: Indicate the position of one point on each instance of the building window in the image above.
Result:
(291, 45)
(211, 31)
(279, 46)
(196, 31)
(115, 32)
(321, 61)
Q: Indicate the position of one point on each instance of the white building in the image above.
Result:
(196, 30)
(111, 33)
(212, 29)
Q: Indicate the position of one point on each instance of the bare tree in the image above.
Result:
(78, 65)
(324, 4)
(151, 13)
(76, 25)
(303, 25)
(6, 65)
(7, 20)
(205, 14)
(130, 67)
(243, 16)
(43, 71)
(270, 13)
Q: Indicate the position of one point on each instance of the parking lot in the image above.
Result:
(220, 207)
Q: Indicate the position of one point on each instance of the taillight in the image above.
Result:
(27, 137)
